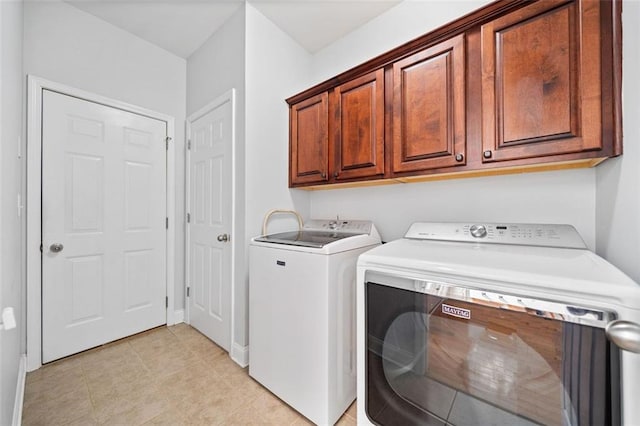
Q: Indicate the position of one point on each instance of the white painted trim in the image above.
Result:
(178, 316)
(34, 178)
(22, 380)
(229, 96)
(240, 354)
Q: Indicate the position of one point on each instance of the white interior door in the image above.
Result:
(103, 224)
(210, 211)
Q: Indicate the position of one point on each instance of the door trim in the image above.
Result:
(35, 86)
(229, 96)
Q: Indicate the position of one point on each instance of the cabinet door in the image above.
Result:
(541, 81)
(358, 127)
(429, 108)
(309, 140)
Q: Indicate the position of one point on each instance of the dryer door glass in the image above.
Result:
(441, 361)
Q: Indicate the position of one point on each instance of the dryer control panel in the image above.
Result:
(544, 235)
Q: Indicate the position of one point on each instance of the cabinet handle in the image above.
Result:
(459, 157)
(487, 154)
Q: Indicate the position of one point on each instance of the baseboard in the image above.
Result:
(22, 380)
(240, 354)
(178, 316)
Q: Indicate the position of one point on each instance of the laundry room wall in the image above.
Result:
(12, 291)
(72, 47)
(618, 180)
(549, 197)
(276, 68)
(264, 65)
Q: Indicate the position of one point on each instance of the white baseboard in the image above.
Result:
(240, 354)
(22, 380)
(178, 316)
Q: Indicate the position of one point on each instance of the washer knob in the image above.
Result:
(478, 231)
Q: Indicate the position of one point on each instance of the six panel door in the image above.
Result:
(210, 207)
(541, 81)
(103, 224)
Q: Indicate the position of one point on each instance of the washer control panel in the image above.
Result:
(339, 225)
(544, 235)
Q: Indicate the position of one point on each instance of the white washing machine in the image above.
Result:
(302, 314)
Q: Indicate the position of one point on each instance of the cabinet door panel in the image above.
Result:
(309, 140)
(358, 127)
(541, 81)
(429, 108)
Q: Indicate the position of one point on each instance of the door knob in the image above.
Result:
(56, 247)
(223, 238)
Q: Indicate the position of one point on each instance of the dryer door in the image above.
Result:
(460, 361)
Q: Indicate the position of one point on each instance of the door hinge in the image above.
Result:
(166, 301)
(167, 140)
(188, 291)
(167, 223)
(40, 247)
(189, 144)
(188, 217)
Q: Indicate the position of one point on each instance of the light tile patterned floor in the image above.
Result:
(165, 376)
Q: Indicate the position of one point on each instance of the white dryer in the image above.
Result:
(302, 308)
(499, 323)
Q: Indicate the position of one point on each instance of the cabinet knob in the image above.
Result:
(336, 174)
(487, 154)
(323, 175)
(459, 157)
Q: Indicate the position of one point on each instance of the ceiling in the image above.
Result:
(182, 26)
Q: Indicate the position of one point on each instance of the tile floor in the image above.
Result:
(165, 376)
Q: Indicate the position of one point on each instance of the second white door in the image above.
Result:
(210, 210)
(103, 224)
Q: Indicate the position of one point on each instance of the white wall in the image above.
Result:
(11, 287)
(556, 197)
(277, 67)
(219, 65)
(618, 180)
(216, 67)
(69, 46)
(400, 24)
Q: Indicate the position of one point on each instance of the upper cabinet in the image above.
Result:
(515, 86)
(357, 127)
(429, 108)
(541, 81)
(309, 140)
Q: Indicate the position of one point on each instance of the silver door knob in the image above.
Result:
(56, 248)
(223, 238)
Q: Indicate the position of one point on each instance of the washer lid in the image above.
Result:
(305, 238)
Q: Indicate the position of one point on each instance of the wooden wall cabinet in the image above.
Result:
(339, 134)
(429, 108)
(357, 128)
(541, 81)
(515, 86)
(309, 141)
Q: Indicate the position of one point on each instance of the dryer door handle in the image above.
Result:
(624, 334)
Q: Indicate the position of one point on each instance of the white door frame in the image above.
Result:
(229, 96)
(34, 203)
